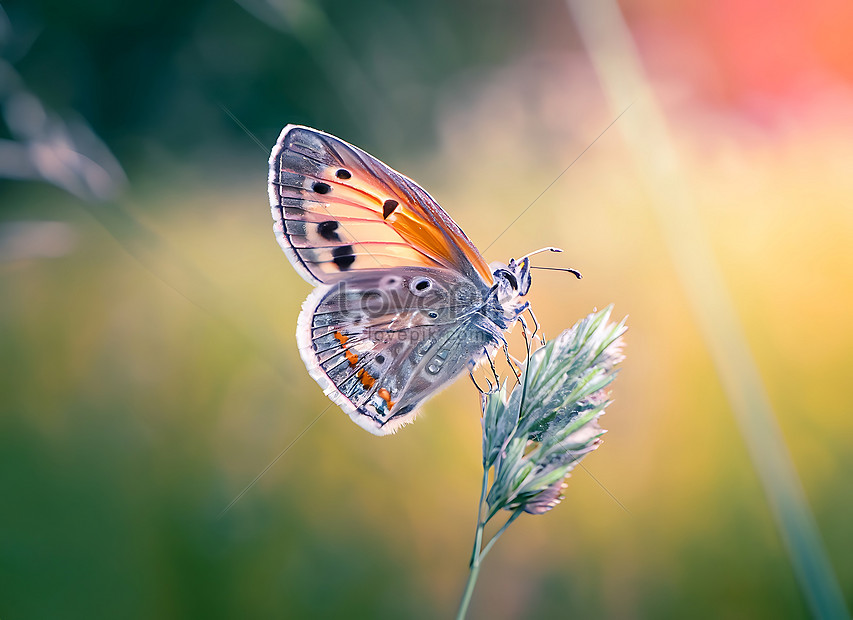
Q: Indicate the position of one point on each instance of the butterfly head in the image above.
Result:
(512, 282)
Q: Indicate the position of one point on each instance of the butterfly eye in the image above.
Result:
(509, 277)
(420, 286)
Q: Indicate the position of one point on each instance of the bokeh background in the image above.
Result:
(149, 366)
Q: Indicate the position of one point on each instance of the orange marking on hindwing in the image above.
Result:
(352, 358)
(386, 396)
(366, 379)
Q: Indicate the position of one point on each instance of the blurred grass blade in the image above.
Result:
(615, 58)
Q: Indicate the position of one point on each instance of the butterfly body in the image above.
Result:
(404, 304)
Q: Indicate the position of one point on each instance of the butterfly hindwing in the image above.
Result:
(338, 210)
(383, 341)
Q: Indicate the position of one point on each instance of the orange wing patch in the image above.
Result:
(410, 218)
(352, 358)
(386, 396)
(367, 380)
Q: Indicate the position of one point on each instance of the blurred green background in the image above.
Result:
(149, 365)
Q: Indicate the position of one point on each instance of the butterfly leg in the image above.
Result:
(479, 389)
(512, 364)
(492, 365)
(527, 336)
(536, 327)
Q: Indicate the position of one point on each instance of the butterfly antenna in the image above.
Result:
(573, 271)
(539, 251)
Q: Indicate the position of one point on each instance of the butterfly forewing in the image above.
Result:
(338, 210)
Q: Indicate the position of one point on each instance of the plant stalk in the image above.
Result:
(494, 539)
(473, 573)
(474, 569)
(479, 552)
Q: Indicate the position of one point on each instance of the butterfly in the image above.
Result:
(403, 302)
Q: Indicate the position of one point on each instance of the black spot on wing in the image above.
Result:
(327, 230)
(321, 188)
(388, 208)
(343, 174)
(343, 257)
